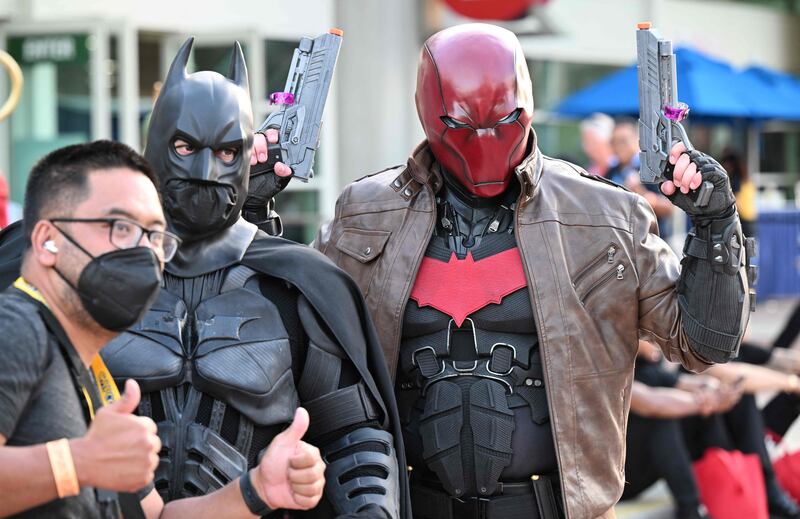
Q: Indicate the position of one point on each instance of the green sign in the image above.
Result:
(50, 48)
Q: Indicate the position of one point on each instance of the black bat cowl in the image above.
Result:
(203, 194)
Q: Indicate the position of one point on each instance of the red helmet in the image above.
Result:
(475, 102)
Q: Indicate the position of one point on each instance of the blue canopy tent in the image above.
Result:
(711, 88)
(783, 101)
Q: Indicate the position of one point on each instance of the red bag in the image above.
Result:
(787, 469)
(731, 484)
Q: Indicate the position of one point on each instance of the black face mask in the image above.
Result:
(197, 210)
(118, 287)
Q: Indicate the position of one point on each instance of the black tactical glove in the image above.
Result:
(265, 218)
(259, 204)
(722, 201)
(263, 188)
(264, 183)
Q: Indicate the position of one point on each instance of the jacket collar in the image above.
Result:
(424, 169)
(529, 171)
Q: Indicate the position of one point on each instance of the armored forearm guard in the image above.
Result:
(362, 474)
(263, 216)
(714, 291)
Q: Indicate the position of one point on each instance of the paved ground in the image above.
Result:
(765, 324)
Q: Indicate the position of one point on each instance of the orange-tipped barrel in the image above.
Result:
(336, 32)
(644, 25)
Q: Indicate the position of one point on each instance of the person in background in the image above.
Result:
(625, 144)
(596, 143)
(656, 450)
(743, 188)
(676, 416)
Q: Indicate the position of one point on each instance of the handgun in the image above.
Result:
(660, 112)
(302, 103)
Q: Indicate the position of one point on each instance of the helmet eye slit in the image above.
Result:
(454, 123)
(510, 118)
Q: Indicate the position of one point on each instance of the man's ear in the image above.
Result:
(44, 243)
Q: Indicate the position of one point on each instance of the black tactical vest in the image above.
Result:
(472, 397)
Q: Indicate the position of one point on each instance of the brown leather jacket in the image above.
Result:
(598, 276)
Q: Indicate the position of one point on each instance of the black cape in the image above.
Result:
(332, 293)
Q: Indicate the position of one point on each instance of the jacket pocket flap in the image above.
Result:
(361, 244)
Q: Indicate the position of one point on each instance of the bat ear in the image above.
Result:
(237, 72)
(177, 71)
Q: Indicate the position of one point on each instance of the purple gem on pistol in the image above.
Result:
(282, 98)
(677, 113)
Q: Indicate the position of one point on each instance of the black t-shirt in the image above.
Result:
(38, 397)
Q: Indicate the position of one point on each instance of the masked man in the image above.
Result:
(246, 326)
(69, 445)
(509, 291)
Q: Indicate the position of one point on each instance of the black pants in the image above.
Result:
(782, 410)
(741, 428)
(666, 448)
(790, 330)
(656, 450)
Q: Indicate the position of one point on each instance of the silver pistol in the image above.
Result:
(660, 112)
(299, 118)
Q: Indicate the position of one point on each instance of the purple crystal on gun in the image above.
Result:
(282, 98)
(676, 113)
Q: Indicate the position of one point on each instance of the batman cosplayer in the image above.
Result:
(247, 326)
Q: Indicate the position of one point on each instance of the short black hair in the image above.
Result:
(57, 183)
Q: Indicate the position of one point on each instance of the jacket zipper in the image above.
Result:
(618, 272)
(540, 334)
(607, 256)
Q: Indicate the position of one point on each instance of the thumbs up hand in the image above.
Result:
(291, 473)
(120, 450)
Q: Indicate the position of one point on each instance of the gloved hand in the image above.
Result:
(264, 186)
(691, 169)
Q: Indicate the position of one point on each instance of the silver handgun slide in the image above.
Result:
(660, 112)
(302, 102)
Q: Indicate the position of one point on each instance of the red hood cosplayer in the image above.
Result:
(509, 291)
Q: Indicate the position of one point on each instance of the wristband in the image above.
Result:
(63, 468)
(254, 503)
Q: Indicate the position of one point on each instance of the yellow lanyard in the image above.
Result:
(102, 377)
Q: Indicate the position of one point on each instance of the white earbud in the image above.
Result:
(50, 246)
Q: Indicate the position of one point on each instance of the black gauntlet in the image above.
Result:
(362, 473)
(714, 291)
(264, 216)
(362, 476)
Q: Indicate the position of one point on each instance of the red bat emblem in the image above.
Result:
(459, 288)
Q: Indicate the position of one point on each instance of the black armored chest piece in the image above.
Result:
(214, 362)
(470, 379)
